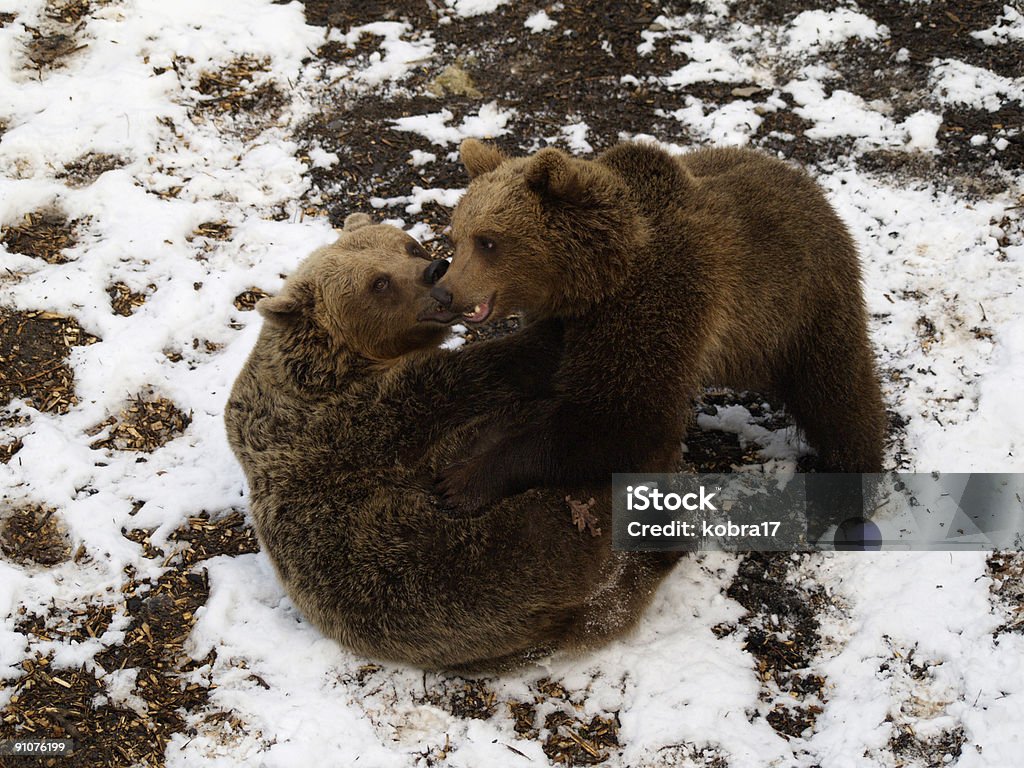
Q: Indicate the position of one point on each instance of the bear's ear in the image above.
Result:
(280, 309)
(356, 221)
(551, 172)
(479, 157)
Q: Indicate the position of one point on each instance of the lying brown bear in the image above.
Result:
(340, 418)
(719, 266)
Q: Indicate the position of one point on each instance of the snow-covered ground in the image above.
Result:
(912, 663)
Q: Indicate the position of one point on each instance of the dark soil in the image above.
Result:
(56, 38)
(782, 634)
(42, 234)
(49, 50)
(124, 301)
(573, 741)
(33, 358)
(246, 300)
(146, 424)
(7, 450)
(1007, 572)
(467, 699)
(34, 535)
(911, 749)
(89, 167)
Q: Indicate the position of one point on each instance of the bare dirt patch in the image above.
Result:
(911, 749)
(33, 358)
(782, 635)
(56, 39)
(208, 235)
(573, 741)
(212, 230)
(51, 703)
(89, 167)
(486, 58)
(44, 234)
(246, 300)
(7, 450)
(34, 535)
(124, 301)
(12, 444)
(146, 424)
(1007, 572)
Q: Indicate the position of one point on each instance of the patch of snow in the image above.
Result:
(713, 61)
(922, 129)
(845, 114)
(930, 254)
(539, 22)
(657, 31)
(731, 125)
(956, 82)
(414, 202)
(576, 137)
(933, 608)
(784, 445)
(321, 158)
(489, 122)
(1008, 28)
(468, 8)
(418, 157)
(396, 56)
(812, 31)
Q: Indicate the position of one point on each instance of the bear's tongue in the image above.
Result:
(479, 312)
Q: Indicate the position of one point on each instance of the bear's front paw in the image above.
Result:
(463, 488)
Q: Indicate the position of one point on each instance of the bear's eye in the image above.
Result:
(485, 244)
(380, 285)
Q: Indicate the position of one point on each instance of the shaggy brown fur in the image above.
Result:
(719, 266)
(341, 417)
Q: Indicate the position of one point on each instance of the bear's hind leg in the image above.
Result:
(830, 387)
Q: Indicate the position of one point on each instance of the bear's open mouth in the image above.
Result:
(477, 314)
(480, 312)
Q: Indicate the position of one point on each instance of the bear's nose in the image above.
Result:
(435, 271)
(442, 296)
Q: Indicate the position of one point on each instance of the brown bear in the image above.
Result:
(718, 266)
(341, 417)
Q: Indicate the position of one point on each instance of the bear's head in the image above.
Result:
(547, 235)
(363, 295)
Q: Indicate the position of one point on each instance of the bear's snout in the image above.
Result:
(434, 272)
(442, 296)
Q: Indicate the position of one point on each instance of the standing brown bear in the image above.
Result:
(341, 417)
(718, 266)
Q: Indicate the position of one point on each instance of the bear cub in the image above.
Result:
(341, 417)
(669, 273)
